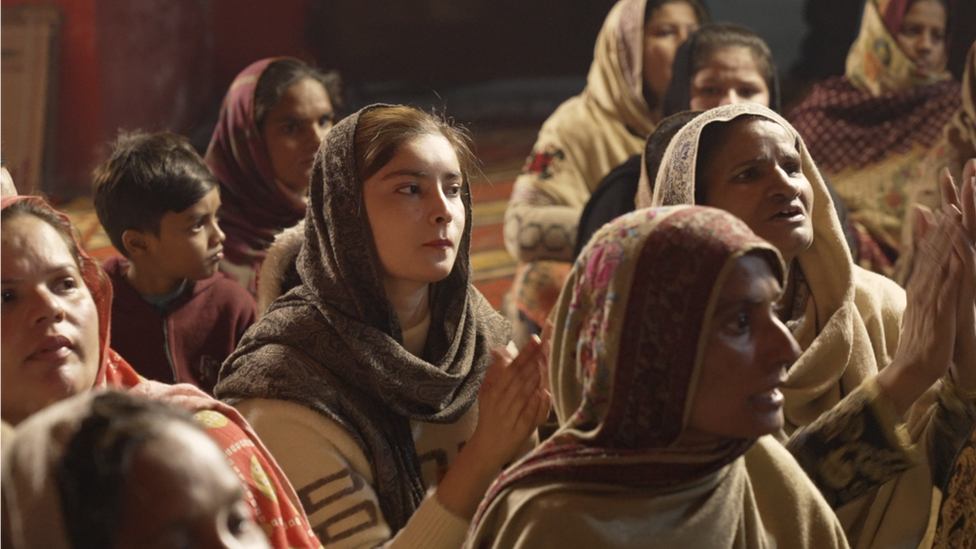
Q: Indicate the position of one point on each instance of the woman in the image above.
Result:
(869, 129)
(719, 64)
(668, 321)
(868, 361)
(55, 343)
(589, 135)
(365, 380)
(108, 469)
(275, 115)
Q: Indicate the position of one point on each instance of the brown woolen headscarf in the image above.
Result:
(334, 344)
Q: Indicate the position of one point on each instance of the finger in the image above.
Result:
(969, 170)
(545, 403)
(969, 199)
(948, 187)
(517, 384)
(924, 220)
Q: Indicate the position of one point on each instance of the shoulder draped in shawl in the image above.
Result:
(594, 132)
(334, 345)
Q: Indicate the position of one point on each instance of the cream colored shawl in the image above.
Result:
(849, 330)
(585, 138)
(631, 326)
(607, 123)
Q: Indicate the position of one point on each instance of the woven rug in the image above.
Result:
(502, 151)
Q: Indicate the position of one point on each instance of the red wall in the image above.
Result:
(153, 64)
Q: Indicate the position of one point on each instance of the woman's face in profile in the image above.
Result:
(49, 320)
(747, 352)
(756, 174)
(731, 76)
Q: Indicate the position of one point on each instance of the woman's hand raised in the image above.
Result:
(928, 332)
(963, 210)
(513, 401)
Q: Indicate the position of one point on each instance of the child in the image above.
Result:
(174, 318)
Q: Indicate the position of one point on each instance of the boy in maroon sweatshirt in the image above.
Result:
(174, 317)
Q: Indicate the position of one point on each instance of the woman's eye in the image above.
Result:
(662, 33)
(748, 174)
(325, 121)
(65, 285)
(453, 190)
(412, 188)
(793, 168)
(748, 92)
(7, 296)
(739, 323)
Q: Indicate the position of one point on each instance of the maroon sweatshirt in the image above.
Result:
(200, 328)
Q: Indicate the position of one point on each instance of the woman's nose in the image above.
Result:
(784, 185)
(47, 307)
(440, 212)
(783, 346)
(730, 98)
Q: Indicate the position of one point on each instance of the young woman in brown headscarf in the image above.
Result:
(375, 381)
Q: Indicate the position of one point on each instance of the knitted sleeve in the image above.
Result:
(333, 481)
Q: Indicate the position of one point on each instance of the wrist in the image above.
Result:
(902, 384)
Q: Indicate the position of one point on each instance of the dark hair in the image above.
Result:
(49, 216)
(659, 140)
(700, 11)
(92, 477)
(712, 137)
(382, 131)
(697, 52)
(147, 176)
(282, 73)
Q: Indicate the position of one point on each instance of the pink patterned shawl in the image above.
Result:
(629, 329)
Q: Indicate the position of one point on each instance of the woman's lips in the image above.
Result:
(442, 244)
(790, 213)
(52, 348)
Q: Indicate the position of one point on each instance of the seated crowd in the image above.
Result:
(751, 329)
